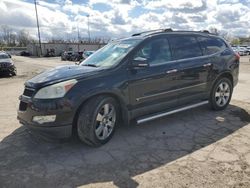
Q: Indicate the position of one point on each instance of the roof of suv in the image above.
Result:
(168, 31)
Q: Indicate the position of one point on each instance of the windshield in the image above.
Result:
(110, 54)
(4, 56)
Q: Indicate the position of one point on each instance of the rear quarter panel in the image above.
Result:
(224, 63)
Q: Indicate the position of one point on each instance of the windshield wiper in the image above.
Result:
(90, 65)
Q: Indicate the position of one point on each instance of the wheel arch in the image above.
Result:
(121, 103)
(226, 74)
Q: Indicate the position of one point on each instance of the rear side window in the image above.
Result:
(211, 45)
(184, 47)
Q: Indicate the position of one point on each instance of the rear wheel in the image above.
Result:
(221, 94)
(97, 120)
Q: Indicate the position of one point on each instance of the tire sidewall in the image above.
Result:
(212, 95)
(97, 105)
(14, 72)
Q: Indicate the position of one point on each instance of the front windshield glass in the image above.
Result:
(110, 54)
(4, 56)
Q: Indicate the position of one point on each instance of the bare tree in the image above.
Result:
(13, 39)
(227, 36)
(23, 38)
(6, 34)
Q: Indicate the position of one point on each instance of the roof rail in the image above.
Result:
(151, 31)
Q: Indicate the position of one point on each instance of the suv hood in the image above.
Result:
(5, 60)
(60, 73)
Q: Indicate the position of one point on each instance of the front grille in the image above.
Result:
(28, 92)
(22, 106)
(4, 65)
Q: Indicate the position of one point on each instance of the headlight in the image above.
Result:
(11, 62)
(55, 91)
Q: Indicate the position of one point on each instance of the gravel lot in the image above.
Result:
(196, 148)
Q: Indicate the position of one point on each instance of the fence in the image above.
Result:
(13, 50)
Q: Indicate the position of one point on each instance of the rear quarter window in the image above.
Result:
(184, 47)
(211, 45)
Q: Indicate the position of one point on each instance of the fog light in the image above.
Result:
(44, 119)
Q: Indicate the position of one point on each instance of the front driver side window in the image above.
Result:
(155, 51)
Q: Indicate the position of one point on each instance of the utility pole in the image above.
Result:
(37, 22)
(78, 34)
(88, 28)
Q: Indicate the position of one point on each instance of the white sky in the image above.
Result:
(120, 18)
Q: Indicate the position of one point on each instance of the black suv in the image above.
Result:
(141, 78)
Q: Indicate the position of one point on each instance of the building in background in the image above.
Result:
(57, 48)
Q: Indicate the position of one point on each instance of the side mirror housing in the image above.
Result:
(140, 62)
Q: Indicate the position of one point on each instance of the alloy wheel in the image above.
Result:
(222, 94)
(105, 121)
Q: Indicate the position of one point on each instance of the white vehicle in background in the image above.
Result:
(234, 49)
(241, 50)
(248, 50)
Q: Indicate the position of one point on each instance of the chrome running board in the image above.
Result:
(143, 120)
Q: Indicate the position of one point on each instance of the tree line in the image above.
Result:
(11, 38)
(229, 37)
(21, 38)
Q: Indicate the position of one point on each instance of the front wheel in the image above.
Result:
(97, 120)
(221, 94)
(14, 72)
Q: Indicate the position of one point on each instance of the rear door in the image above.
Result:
(193, 68)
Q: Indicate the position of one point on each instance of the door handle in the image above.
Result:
(172, 71)
(207, 65)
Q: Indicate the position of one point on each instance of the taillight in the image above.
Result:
(237, 56)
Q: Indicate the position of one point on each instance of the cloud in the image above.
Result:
(117, 18)
(180, 5)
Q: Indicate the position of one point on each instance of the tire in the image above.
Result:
(14, 72)
(95, 126)
(221, 94)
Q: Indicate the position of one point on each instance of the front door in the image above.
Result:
(150, 87)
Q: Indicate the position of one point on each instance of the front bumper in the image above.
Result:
(61, 127)
(10, 68)
(53, 132)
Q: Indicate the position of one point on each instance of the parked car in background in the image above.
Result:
(234, 49)
(6, 64)
(50, 53)
(25, 53)
(242, 51)
(248, 49)
(146, 76)
(86, 54)
(76, 56)
(66, 55)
